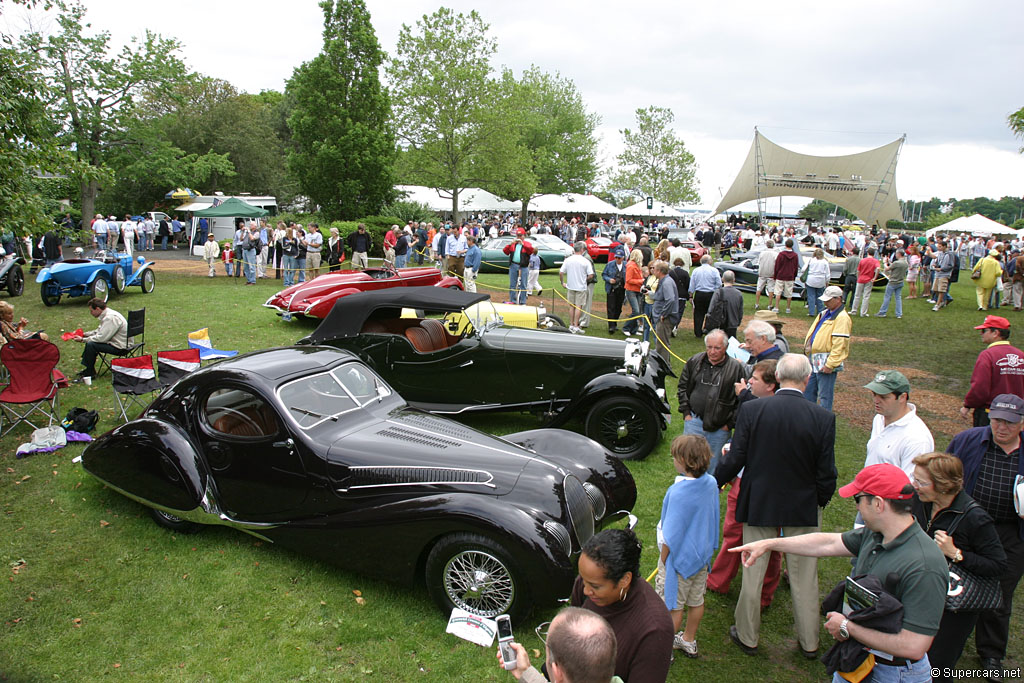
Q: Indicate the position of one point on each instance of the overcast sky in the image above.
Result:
(820, 78)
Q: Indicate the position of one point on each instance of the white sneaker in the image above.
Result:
(689, 649)
(787, 311)
(935, 308)
(627, 333)
(574, 330)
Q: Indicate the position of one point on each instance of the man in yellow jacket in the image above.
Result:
(989, 271)
(828, 344)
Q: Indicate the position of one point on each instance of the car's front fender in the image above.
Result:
(151, 461)
(617, 383)
(135, 278)
(44, 275)
(449, 281)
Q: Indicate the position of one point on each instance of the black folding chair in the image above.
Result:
(133, 380)
(136, 331)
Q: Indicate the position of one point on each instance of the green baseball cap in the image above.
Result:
(889, 382)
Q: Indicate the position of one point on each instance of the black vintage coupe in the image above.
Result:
(307, 447)
(445, 366)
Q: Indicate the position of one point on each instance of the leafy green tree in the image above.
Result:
(344, 145)
(96, 94)
(819, 211)
(452, 117)
(655, 161)
(557, 131)
(1016, 123)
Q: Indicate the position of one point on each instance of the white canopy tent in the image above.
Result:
(972, 225)
(863, 183)
(658, 210)
(470, 199)
(571, 202)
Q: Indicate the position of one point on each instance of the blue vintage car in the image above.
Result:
(94, 277)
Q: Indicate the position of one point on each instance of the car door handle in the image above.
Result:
(288, 443)
(466, 364)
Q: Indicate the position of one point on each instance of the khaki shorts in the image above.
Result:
(784, 288)
(766, 285)
(577, 298)
(690, 592)
(941, 284)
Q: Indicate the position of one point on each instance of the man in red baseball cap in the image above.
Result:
(890, 543)
(998, 370)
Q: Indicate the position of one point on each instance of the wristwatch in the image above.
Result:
(843, 631)
(959, 557)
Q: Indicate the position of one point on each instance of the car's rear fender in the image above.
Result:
(322, 307)
(151, 461)
(44, 275)
(617, 384)
(449, 281)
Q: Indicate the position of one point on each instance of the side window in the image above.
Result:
(236, 412)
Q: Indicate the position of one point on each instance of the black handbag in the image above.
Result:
(968, 591)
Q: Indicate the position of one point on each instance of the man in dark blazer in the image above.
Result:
(786, 445)
(614, 276)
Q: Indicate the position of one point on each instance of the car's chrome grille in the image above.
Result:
(581, 514)
(418, 437)
(597, 501)
(365, 477)
(437, 425)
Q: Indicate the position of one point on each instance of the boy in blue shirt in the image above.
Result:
(689, 527)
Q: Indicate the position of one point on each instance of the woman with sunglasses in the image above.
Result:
(940, 503)
(610, 584)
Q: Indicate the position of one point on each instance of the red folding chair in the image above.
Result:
(132, 379)
(173, 365)
(33, 386)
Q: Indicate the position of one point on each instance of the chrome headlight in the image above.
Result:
(634, 356)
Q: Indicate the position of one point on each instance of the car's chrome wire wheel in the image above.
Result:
(479, 582)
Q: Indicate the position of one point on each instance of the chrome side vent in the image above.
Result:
(384, 476)
(560, 534)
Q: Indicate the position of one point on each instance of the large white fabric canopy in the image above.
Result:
(470, 199)
(659, 209)
(864, 183)
(571, 202)
(973, 225)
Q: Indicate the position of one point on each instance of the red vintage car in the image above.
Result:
(316, 297)
(599, 247)
(695, 249)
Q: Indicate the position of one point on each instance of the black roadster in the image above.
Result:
(453, 364)
(12, 277)
(309, 448)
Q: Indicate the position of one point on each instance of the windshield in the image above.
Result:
(313, 399)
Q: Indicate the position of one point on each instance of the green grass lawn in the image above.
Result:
(95, 591)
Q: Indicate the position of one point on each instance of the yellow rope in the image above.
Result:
(635, 317)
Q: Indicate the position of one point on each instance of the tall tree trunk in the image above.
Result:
(524, 214)
(88, 192)
(455, 207)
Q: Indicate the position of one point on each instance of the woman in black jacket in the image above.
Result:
(941, 503)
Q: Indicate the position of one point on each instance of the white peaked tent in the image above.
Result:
(972, 225)
(470, 199)
(863, 183)
(571, 202)
(659, 210)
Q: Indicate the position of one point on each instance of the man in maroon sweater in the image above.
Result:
(998, 370)
(786, 265)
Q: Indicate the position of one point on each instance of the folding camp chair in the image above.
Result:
(132, 379)
(173, 365)
(136, 331)
(33, 386)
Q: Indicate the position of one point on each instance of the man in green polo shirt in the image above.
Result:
(889, 542)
